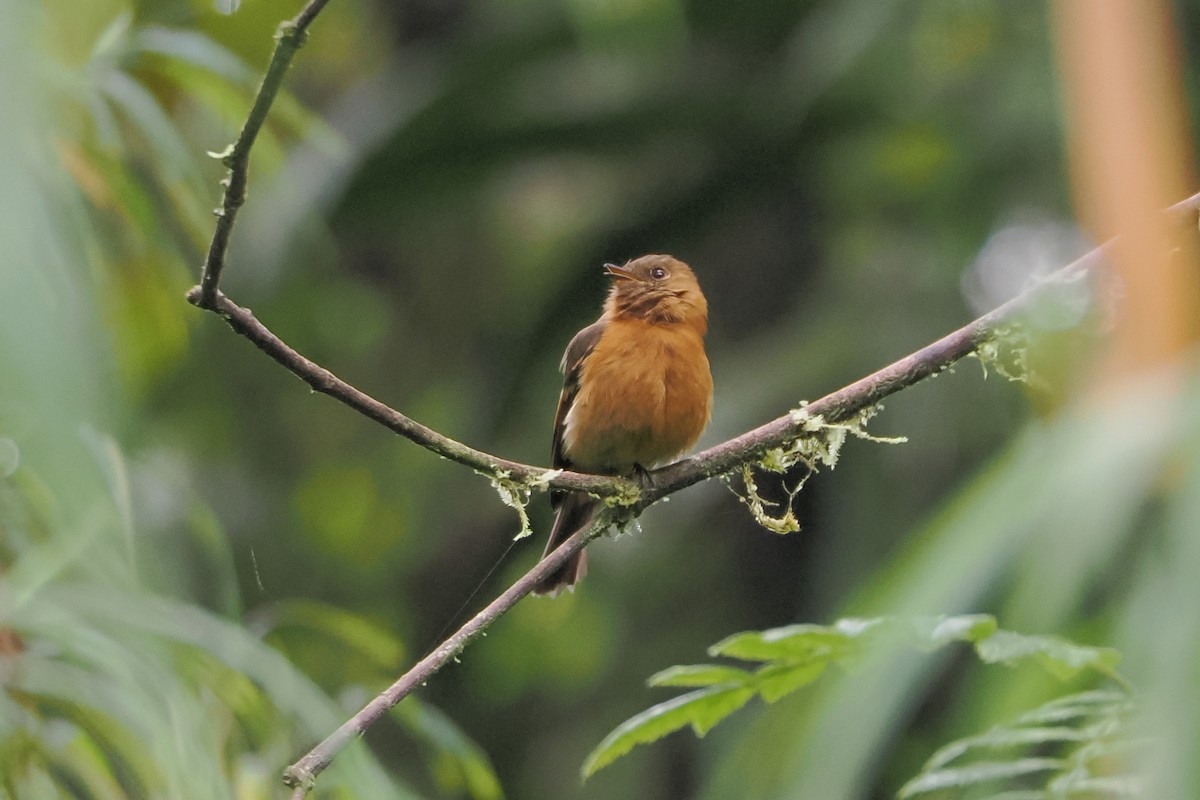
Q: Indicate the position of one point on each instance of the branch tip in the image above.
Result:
(299, 778)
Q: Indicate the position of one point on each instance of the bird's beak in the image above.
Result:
(620, 273)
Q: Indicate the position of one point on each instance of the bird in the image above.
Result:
(637, 391)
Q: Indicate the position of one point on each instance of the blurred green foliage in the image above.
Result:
(198, 553)
(1069, 746)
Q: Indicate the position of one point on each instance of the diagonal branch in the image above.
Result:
(303, 774)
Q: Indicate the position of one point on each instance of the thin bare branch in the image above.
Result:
(236, 157)
(303, 773)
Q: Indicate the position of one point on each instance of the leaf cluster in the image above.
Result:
(789, 658)
(1070, 747)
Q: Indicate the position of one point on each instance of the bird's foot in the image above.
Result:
(643, 476)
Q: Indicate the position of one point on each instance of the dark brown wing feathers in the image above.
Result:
(580, 348)
(574, 509)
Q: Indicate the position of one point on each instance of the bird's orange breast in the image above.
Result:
(644, 397)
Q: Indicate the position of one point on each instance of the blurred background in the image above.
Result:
(206, 566)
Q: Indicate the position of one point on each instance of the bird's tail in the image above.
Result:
(577, 510)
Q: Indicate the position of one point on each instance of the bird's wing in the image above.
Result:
(577, 351)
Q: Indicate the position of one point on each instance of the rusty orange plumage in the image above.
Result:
(637, 390)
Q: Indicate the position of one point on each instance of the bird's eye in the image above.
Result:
(658, 273)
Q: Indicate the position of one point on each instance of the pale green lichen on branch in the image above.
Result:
(855, 426)
(515, 493)
(1006, 350)
(785, 523)
(818, 442)
(543, 481)
(626, 495)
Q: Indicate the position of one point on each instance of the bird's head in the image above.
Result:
(656, 288)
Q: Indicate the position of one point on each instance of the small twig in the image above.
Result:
(303, 773)
(236, 157)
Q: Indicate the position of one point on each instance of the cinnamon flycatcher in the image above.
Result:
(638, 390)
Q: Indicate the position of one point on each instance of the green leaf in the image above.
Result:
(34, 783)
(1059, 657)
(981, 772)
(1091, 735)
(795, 642)
(698, 675)
(82, 762)
(701, 709)
(193, 48)
(117, 697)
(776, 681)
(151, 121)
(935, 632)
(112, 38)
(1076, 705)
(78, 619)
(347, 630)
(797, 655)
(1109, 786)
(94, 706)
(1001, 737)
